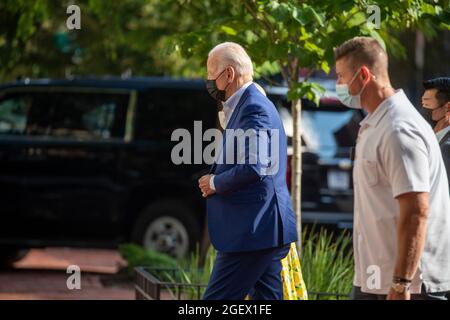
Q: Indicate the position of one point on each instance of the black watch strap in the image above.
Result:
(400, 280)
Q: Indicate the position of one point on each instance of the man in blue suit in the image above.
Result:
(250, 218)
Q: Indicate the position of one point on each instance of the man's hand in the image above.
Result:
(204, 185)
(394, 295)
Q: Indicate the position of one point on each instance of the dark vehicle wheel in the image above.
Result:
(167, 227)
(10, 255)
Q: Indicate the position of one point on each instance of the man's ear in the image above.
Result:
(365, 73)
(231, 74)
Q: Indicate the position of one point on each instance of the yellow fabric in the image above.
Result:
(291, 274)
(293, 285)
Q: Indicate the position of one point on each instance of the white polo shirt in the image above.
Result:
(397, 152)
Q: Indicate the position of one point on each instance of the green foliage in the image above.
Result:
(196, 274)
(327, 262)
(148, 36)
(115, 36)
(190, 273)
(138, 256)
(187, 270)
(288, 35)
(19, 22)
(327, 265)
(310, 90)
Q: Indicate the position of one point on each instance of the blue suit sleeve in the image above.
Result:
(240, 175)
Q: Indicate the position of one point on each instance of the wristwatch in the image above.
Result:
(400, 285)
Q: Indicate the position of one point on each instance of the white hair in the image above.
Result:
(232, 54)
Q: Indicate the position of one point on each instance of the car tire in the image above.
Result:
(169, 227)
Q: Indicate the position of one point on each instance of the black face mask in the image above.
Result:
(427, 114)
(213, 91)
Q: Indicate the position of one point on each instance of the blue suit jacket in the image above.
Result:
(251, 210)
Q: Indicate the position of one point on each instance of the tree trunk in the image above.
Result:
(296, 167)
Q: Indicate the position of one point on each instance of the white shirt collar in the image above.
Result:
(374, 118)
(235, 97)
(441, 134)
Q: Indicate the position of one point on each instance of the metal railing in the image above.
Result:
(164, 283)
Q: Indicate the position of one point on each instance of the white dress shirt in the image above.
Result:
(228, 107)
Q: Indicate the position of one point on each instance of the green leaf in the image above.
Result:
(307, 14)
(311, 90)
(324, 66)
(228, 30)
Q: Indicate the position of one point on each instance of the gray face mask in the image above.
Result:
(351, 101)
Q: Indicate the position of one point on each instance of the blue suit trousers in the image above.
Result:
(256, 273)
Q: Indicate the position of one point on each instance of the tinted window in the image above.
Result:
(328, 130)
(330, 133)
(162, 111)
(71, 114)
(13, 114)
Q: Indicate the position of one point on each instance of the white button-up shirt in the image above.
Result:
(396, 153)
(228, 108)
(232, 102)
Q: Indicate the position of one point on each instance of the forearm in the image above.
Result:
(411, 233)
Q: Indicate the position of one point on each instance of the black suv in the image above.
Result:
(87, 162)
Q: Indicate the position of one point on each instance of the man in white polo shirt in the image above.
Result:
(401, 235)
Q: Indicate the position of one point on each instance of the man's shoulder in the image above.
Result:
(445, 147)
(405, 134)
(445, 150)
(257, 99)
(256, 102)
(255, 95)
(446, 140)
(405, 120)
(402, 112)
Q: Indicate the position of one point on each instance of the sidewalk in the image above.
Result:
(42, 275)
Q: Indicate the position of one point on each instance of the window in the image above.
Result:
(328, 130)
(71, 114)
(161, 111)
(13, 114)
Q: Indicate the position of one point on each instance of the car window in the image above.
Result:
(328, 130)
(13, 114)
(329, 133)
(71, 114)
(162, 110)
